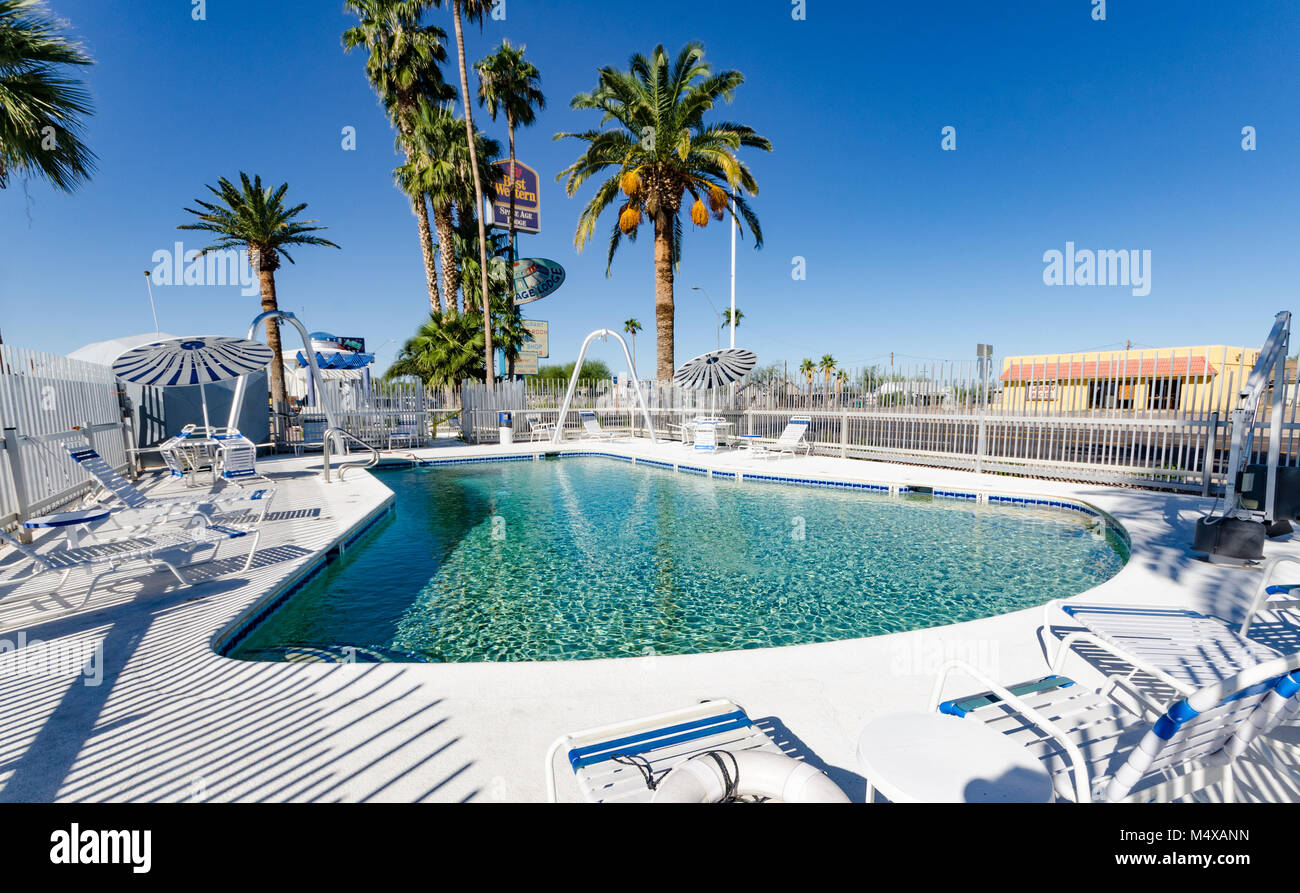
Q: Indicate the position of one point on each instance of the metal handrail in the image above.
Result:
(344, 436)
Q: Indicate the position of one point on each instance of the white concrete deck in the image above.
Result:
(173, 721)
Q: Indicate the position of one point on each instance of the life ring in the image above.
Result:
(717, 775)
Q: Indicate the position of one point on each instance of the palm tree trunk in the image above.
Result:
(489, 374)
(663, 297)
(426, 249)
(450, 268)
(279, 395)
(421, 216)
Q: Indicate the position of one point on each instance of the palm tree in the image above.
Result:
(631, 327)
(403, 68)
(806, 368)
(257, 219)
(826, 366)
(508, 82)
(41, 105)
(443, 351)
(440, 169)
(661, 150)
(726, 317)
(474, 11)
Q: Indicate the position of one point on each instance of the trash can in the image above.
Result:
(506, 427)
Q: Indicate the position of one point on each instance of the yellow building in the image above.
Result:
(1167, 379)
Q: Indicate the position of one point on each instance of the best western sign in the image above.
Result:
(527, 190)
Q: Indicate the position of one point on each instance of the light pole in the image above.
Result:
(148, 283)
(733, 266)
(718, 330)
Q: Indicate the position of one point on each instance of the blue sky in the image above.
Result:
(1115, 134)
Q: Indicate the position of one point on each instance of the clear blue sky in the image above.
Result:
(1117, 134)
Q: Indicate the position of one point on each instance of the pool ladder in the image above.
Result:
(344, 436)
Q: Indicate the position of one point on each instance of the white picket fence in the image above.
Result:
(47, 401)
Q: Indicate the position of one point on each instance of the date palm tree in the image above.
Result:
(474, 11)
(726, 317)
(509, 83)
(661, 150)
(826, 365)
(403, 68)
(256, 218)
(631, 327)
(439, 168)
(41, 103)
(807, 368)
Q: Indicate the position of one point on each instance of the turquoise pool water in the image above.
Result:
(588, 557)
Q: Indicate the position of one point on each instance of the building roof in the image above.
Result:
(1149, 367)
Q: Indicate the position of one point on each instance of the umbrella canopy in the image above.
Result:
(715, 368)
(197, 360)
(190, 361)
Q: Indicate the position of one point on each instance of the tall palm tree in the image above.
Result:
(661, 150)
(726, 317)
(826, 366)
(631, 327)
(257, 219)
(439, 168)
(474, 11)
(41, 104)
(508, 82)
(807, 368)
(403, 68)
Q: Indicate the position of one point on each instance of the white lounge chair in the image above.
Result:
(1095, 747)
(1181, 648)
(625, 762)
(593, 429)
(793, 439)
(152, 540)
(131, 496)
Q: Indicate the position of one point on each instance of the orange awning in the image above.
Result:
(1069, 370)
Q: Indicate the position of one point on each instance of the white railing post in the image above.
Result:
(13, 450)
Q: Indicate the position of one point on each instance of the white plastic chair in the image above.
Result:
(237, 458)
(537, 429)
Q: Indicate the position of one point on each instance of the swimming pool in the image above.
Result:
(587, 557)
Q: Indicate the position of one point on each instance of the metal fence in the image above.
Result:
(47, 401)
(380, 413)
(1151, 418)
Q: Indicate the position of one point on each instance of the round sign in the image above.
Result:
(535, 278)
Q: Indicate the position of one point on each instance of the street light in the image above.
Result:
(718, 330)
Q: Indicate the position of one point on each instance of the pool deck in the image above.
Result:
(171, 720)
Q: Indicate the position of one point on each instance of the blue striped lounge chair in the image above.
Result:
(612, 763)
(169, 541)
(1102, 748)
(131, 496)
